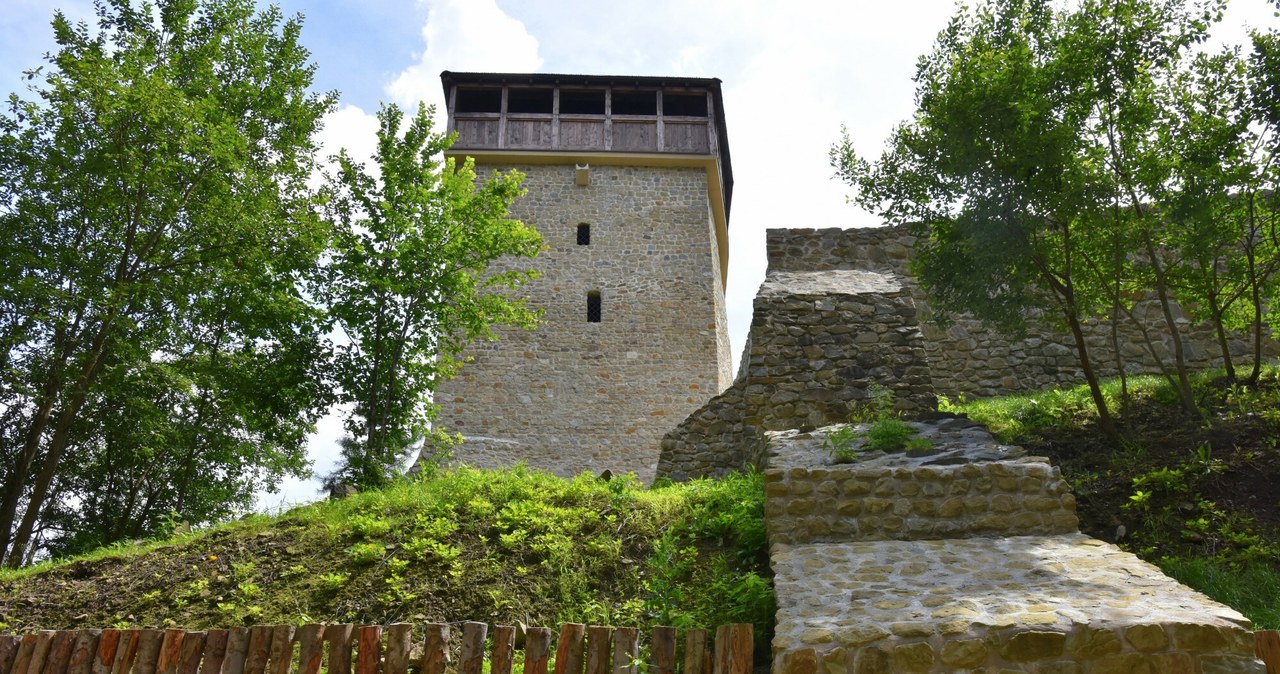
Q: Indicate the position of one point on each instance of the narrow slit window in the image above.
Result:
(584, 234)
(593, 306)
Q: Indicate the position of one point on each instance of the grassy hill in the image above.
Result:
(1197, 497)
(463, 545)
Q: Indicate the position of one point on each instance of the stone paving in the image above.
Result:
(947, 594)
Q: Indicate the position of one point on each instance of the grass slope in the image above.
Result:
(493, 546)
(1197, 497)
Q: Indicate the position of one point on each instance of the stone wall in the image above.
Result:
(818, 341)
(955, 488)
(964, 556)
(971, 359)
(575, 395)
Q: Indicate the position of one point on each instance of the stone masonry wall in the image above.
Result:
(971, 359)
(964, 556)
(817, 342)
(575, 395)
(942, 492)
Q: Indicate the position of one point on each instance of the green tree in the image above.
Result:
(1043, 154)
(409, 284)
(157, 227)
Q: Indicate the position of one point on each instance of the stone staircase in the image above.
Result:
(966, 557)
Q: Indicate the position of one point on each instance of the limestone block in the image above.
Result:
(916, 657)
(1032, 645)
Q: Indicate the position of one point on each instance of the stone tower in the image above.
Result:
(629, 183)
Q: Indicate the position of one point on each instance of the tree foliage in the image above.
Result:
(1072, 160)
(156, 226)
(409, 284)
(170, 284)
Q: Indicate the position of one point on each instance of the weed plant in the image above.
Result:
(885, 431)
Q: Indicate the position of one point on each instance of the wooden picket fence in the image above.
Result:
(371, 649)
(1268, 648)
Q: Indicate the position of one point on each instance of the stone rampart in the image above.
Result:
(972, 359)
(1063, 604)
(962, 555)
(818, 341)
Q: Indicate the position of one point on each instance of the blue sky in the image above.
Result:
(793, 72)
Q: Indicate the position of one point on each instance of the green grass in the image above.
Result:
(495, 546)
(1017, 416)
(1253, 590)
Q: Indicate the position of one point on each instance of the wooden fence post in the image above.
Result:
(8, 652)
(339, 638)
(22, 655)
(696, 656)
(148, 651)
(569, 649)
(370, 649)
(537, 650)
(662, 648)
(310, 648)
(599, 653)
(170, 652)
(215, 651)
(626, 650)
(126, 652)
(471, 661)
(259, 650)
(60, 652)
(1268, 648)
(193, 646)
(399, 637)
(734, 649)
(281, 649)
(39, 652)
(82, 653)
(504, 649)
(237, 651)
(105, 654)
(435, 655)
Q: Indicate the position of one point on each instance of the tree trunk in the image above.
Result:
(30, 448)
(1115, 347)
(62, 433)
(1105, 421)
(1183, 387)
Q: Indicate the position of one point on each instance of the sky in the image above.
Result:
(793, 72)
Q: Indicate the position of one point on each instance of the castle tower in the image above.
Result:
(629, 183)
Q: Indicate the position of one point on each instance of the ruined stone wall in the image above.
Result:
(817, 342)
(912, 499)
(971, 359)
(575, 395)
(963, 556)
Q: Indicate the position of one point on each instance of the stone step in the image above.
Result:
(1065, 603)
(964, 484)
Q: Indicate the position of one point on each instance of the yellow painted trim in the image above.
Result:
(648, 159)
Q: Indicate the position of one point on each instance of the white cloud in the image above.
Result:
(351, 128)
(465, 35)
